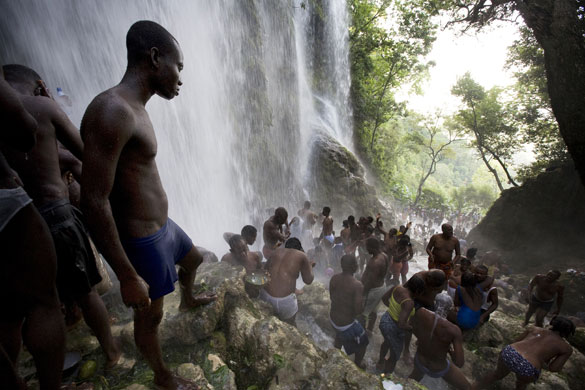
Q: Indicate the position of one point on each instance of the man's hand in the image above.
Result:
(135, 293)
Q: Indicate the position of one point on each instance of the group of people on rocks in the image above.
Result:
(49, 171)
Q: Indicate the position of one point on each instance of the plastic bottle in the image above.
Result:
(64, 101)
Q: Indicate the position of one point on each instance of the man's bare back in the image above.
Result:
(346, 294)
(284, 266)
(375, 271)
(539, 346)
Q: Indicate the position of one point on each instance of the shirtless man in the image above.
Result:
(240, 255)
(309, 218)
(434, 284)
(347, 300)
(272, 231)
(542, 291)
(373, 281)
(533, 350)
(123, 198)
(440, 250)
(345, 234)
(29, 264)
(437, 338)
(328, 226)
(284, 266)
(77, 272)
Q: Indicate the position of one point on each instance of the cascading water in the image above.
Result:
(260, 77)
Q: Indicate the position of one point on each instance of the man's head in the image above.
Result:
(249, 234)
(281, 215)
(402, 229)
(471, 252)
(435, 279)
(553, 275)
(238, 247)
(415, 285)
(23, 79)
(564, 326)
(351, 220)
(373, 245)
(326, 211)
(481, 273)
(307, 205)
(151, 48)
(447, 230)
(465, 264)
(345, 224)
(349, 264)
(370, 219)
(403, 242)
(294, 243)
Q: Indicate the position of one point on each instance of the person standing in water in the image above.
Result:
(123, 197)
(534, 349)
(542, 292)
(346, 294)
(440, 250)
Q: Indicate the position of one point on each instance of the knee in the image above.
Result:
(148, 321)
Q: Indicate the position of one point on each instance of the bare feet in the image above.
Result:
(199, 300)
(174, 382)
(113, 357)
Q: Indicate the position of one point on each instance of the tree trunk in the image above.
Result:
(557, 28)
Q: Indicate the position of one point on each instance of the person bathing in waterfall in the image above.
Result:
(395, 324)
(534, 349)
(272, 231)
(346, 294)
(284, 266)
(123, 198)
(77, 273)
(542, 292)
(440, 250)
(373, 281)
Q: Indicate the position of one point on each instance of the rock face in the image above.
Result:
(338, 180)
(538, 223)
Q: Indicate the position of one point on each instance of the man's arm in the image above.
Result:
(307, 269)
(457, 251)
(557, 363)
(457, 354)
(430, 247)
(105, 133)
(358, 298)
(493, 297)
(533, 283)
(560, 292)
(66, 131)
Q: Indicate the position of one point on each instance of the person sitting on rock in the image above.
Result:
(536, 348)
(240, 255)
(542, 292)
(489, 292)
(284, 266)
(395, 323)
(346, 294)
(455, 278)
(373, 281)
(437, 338)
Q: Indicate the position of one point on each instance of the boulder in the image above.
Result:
(315, 303)
(578, 340)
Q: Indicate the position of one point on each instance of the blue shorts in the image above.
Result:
(393, 335)
(353, 338)
(154, 257)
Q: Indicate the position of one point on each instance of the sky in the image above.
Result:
(482, 54)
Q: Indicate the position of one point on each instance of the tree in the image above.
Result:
(531, 105)
(428, 139)
(559, 28)
(489, 123)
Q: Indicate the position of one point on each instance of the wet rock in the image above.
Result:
(194, 373)
(578, 340)
(136, 386)
(315, 302)
(510, 307)
(218, 373)
(487, 335)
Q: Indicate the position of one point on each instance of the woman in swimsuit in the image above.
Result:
(469, 299)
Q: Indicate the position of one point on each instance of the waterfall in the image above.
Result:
(260, 77)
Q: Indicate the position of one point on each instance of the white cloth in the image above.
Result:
(285, 307)
(486, 305)
(12, 200)
(373, 299)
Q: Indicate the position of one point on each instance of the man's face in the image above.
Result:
(552, 276)
(240, 250)
(251, 239)
(169, 78)
(448, 231)
(481, 274)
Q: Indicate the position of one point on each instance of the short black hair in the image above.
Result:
(564, 326)
(436, 278)
(348, 261)
(345, 223)
(373, 244)
(415, 285)
(326, 210)
(294, 243)
(143, 36)
(307, 204)
(15, 73)
(249, 231)
(471, 252)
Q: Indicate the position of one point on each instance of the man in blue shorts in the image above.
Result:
(123, 198)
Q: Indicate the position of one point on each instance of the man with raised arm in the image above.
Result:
(123, 198)
(440, 250)
(272, 231)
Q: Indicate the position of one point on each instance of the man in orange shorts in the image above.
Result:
(440, 250)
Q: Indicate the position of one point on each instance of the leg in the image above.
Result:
(95, 315)
(540, 314)
(8, 375)
(406, 356)
(522, 382)
(359, 355)
(187, 272)
(500, 372)
(390, 363)
(28, 274)
(382, 358)
(531, 309)
(372, 320)
(416, 374)
(292, 321)
(455, 378)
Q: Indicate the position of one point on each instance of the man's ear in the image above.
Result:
(154, 57)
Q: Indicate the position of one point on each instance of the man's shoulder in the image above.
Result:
(109, 106)
(41, 106)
